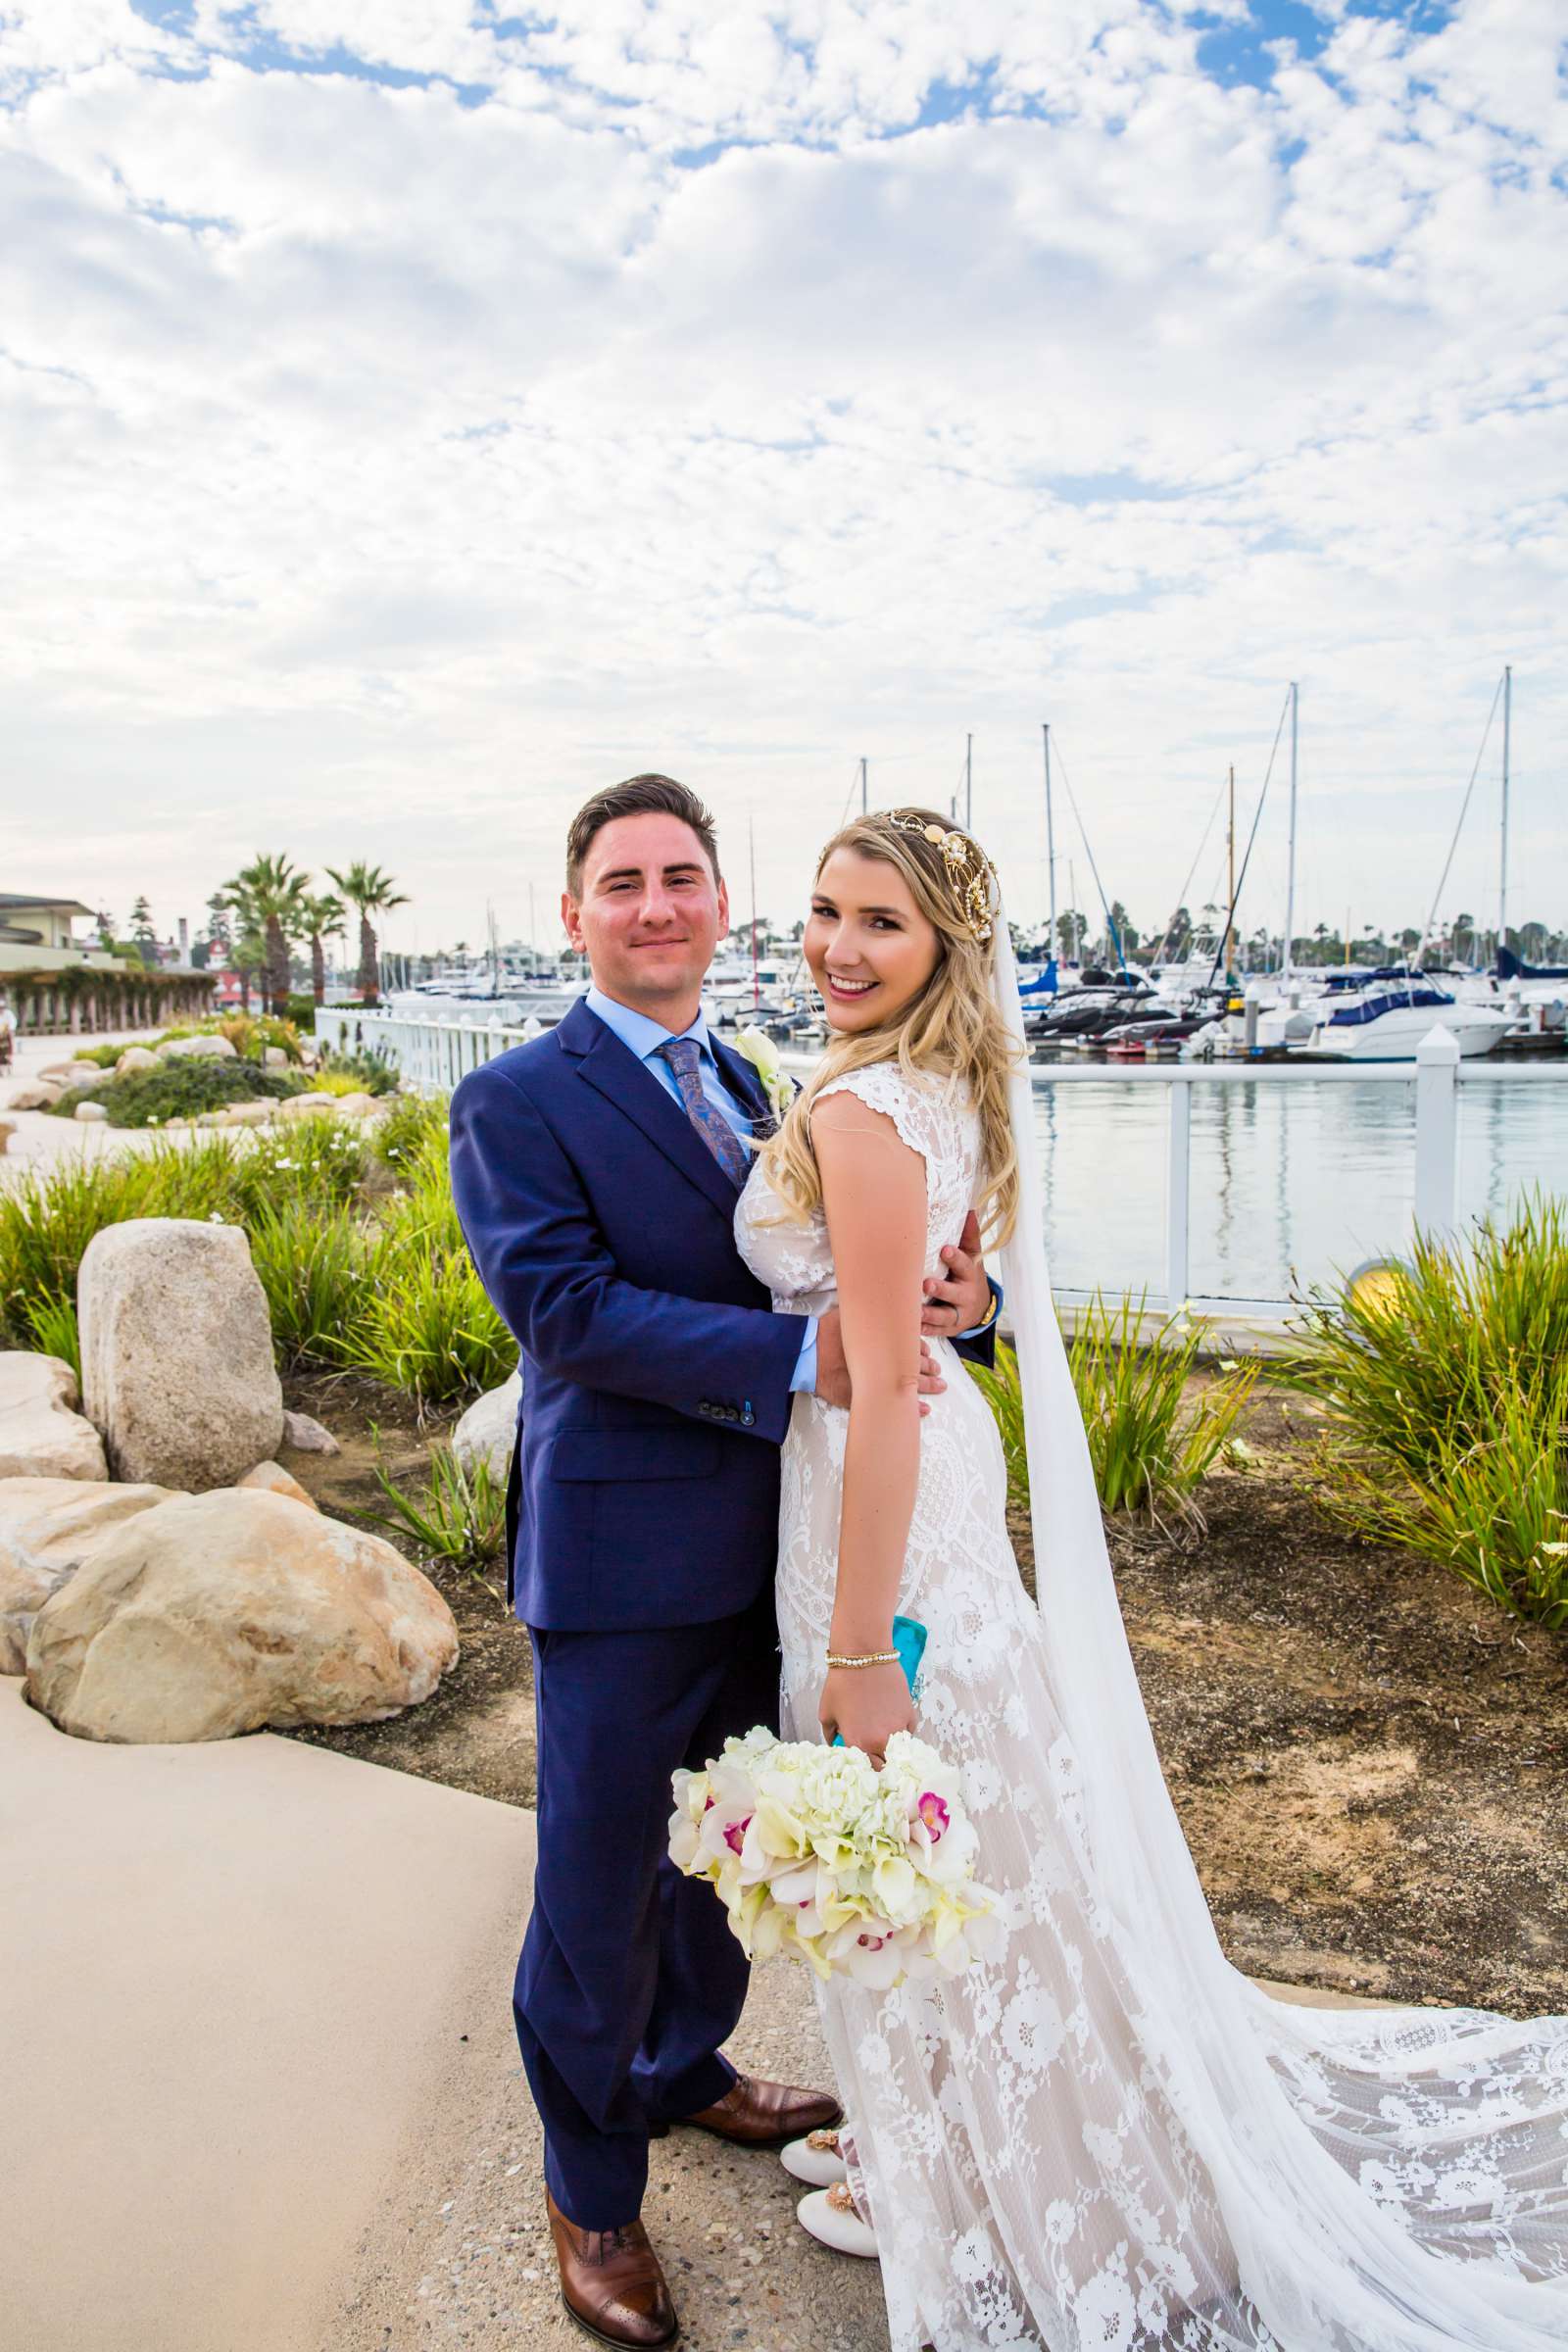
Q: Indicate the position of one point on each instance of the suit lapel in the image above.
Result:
(614, 1072)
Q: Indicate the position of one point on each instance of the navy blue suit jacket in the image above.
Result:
(655, 1377)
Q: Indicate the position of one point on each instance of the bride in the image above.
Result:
(1105, 2138)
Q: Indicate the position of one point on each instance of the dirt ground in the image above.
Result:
(1369, 1761)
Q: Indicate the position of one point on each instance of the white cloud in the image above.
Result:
(392, 468)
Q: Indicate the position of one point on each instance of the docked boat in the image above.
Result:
(1386, 1019)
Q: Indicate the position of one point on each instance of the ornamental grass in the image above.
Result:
(1150, 1449)
(1444, 1392)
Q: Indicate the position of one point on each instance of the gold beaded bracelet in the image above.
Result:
(879, 1657)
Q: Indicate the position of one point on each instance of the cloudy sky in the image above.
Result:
(414, 414)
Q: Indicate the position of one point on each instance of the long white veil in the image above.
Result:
(1388, 2180)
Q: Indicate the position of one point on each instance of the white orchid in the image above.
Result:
(755, 1046)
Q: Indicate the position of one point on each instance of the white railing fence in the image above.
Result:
(435, 1054)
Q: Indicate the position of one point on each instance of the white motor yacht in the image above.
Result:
(1386, 1019)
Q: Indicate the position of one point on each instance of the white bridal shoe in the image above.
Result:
(816, 2159)
(830, 2215)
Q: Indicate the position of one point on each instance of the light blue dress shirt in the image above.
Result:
(643, 1038)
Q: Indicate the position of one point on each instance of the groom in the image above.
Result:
(596, 1172)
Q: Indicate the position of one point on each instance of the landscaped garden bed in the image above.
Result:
(1369, 1755)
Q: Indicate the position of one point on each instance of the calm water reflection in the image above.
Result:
(1288, 1181)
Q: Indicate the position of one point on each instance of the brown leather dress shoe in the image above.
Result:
(754, 2114)
(612, 2283)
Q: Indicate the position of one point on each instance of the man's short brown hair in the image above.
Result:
(639, 796)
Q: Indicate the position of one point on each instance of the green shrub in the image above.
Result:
(105, 1057)
(51, 1325)
(301, 1012)
(412, 1126)
(313, 1261)
(1150, 1453)
(459, 1515)
(424, 1323)
(183, 1088)
(320, 1161)
(1446, 1392)
(369, 1069)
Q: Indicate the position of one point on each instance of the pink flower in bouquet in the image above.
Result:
(933, 1811)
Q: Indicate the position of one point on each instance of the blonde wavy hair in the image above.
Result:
(950, 1029)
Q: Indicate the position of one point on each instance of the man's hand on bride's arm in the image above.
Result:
(958, 1300)
(833, 1373)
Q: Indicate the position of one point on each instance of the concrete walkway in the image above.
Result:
(262, 2091)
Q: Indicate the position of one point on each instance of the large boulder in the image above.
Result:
(486, 1431)
(176, 1353)
(32, 1095)
(220, 1613)
(218, 1049)
(48, 1526)
(91, 1112)
(80, 1077)
(135, 1058)
(41, 1436)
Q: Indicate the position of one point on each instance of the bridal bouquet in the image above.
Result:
(864, 1874)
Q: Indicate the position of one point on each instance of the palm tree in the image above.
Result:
(247, 954)
(268, 895)
(322, 918)
(372, 893)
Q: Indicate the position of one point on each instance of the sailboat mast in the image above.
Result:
(757, 992)
(864, 788)
(1230, 891)
(1502, 865)
(969, 783)
(1050, 852)
(1289, 868)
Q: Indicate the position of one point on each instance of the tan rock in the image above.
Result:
(136, 1057)
(8, 1128)
(81, 1077)
(48, 1526)
(355, 1105)
(272, 1479)
(307, 1435)
(36, 1094)
(488, 1430)
(273, 1058)
(250, 1114)
(306, 1106)
(176, 1353)
(220, 1613)
(41, 1434)
(218, 1049)
(91, 1112)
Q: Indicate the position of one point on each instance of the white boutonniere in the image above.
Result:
(758, 1047)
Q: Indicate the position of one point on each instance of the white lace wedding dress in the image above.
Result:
(1106, 2139)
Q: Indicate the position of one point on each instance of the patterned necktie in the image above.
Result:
(684, 1056)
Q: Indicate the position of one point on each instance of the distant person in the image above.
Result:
(596, 1172)
(8, 1033)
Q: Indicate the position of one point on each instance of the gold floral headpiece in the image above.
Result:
(971, 876)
